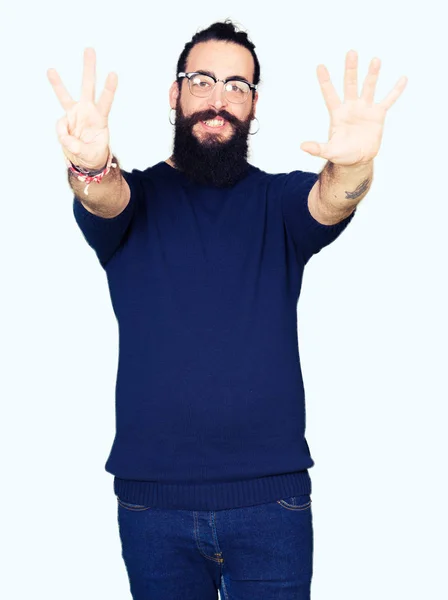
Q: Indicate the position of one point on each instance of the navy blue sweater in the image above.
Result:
(204, 283)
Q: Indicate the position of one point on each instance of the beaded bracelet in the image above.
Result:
(89, 176)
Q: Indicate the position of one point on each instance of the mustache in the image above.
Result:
(205, 115)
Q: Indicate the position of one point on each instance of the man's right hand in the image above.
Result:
(83, 132)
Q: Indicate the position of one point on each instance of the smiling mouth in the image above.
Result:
(215, 124)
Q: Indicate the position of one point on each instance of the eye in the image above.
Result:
(201, 81)
(237, 87)
(232, 87)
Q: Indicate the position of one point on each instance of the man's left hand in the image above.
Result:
(356, 125)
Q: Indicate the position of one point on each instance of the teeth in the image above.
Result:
(214, 123)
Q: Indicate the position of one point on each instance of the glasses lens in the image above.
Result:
(201, 85)
(236, 91)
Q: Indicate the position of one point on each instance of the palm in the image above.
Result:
(355, 132)
(83, 132)
(356, 125)
(88, 125)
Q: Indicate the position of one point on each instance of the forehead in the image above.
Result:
(224, 59)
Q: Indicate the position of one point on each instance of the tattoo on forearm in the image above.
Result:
(362, 187)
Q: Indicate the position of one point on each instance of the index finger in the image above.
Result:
(329, 93)
(60, 90)
(107, 96)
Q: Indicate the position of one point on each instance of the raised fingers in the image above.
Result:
(368, 88)
(104, 103)
(351, 76)
(88, 76)
(329, 93)
(393, 96)
(60, 90)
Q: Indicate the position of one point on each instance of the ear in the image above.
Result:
(254, 103)
(173, 94)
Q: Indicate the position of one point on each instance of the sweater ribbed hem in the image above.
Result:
(213, 496)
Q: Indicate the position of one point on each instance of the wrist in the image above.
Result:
(89, 172)
(88, 176)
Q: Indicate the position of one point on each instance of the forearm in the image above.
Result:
(106, 198)
(341, 189)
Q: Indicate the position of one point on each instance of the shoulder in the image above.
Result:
(148, 172)
(287, 182)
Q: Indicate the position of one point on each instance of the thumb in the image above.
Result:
(312, 148)
(72, 144)
(69, 142)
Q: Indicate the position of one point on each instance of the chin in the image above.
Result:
(210, 137)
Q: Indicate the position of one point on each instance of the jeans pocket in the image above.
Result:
(302, 502)
(130, 506)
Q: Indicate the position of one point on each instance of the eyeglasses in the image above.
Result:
(202, 85)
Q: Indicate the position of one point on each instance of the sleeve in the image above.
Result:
(309, 236)
(106, 235)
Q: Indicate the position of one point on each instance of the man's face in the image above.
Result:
(214, 155)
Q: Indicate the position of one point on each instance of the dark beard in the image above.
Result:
(211, 161)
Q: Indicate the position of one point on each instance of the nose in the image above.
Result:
(217, 98)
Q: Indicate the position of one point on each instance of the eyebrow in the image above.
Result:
(232, 77)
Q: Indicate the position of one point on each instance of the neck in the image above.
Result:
(170, 162)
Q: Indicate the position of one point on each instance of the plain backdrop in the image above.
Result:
(372, 313)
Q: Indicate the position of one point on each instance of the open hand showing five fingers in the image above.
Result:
(83, 131)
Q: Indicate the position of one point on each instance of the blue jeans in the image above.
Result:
(256, 552)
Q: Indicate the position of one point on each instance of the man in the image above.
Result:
(204, 255)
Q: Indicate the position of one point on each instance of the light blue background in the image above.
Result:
(372, 314)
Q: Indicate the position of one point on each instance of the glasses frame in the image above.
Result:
(252, 86)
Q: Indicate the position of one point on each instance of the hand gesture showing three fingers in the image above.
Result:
(83, 132)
